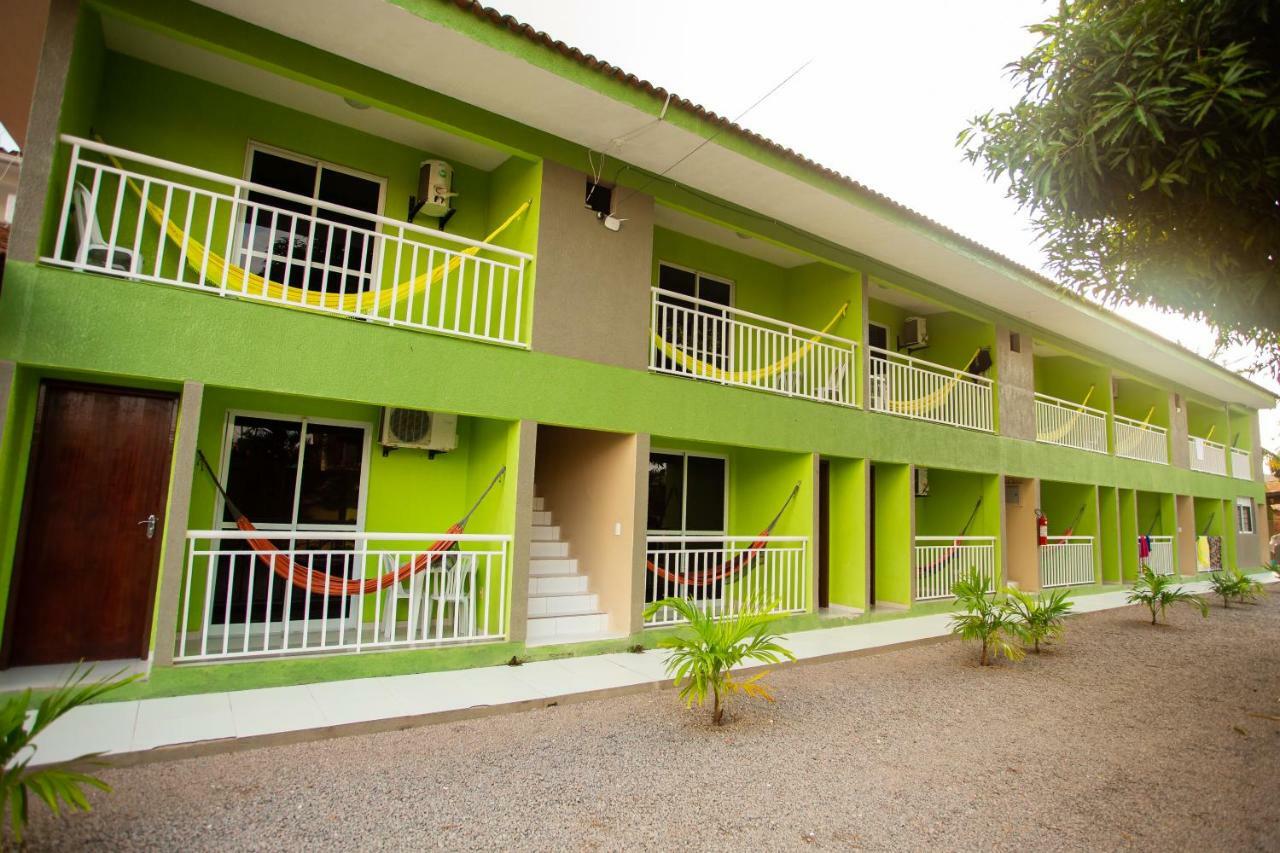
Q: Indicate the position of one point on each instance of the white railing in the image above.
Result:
(235, 606)
(1160, 560)
(1142, 441)
(1207, 456)
(940, 561)
(231, 237)
(704, 340)
(1070, 424)
(914, 388)
(1241, 465)
(1066, 561)
(723, 574)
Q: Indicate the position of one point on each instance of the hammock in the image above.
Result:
(950, 553)
(322, 583)
(215, 268)
(1135, 437)
(934, 399)
(705, 368)
(740, 563)
(1070, 423)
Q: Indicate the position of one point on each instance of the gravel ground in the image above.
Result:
(1125, 736)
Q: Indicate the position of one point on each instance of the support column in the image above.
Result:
(640, 539)
(176, 522)
(1109, 534)
(7, 371)
(1179, 454)
(1185, 536)
(1015, 386)
(1129, 561)
(527, 441)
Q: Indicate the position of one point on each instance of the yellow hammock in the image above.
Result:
(1070, 423)
(215, 268)
(1132, 438)
(703, 368)
(934, 399)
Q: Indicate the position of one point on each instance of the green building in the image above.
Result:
(389, 335)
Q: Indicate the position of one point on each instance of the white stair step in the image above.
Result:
(546, 627)
(563, 605)
(545, 533)
(541, 517)
(557, 585)
(539, 504)
(548, 549)
(553, 566)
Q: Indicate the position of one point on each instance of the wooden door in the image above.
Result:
(93, 514)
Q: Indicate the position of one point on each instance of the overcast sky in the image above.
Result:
(888, 88)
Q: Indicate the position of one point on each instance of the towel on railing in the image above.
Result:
(1144, 547)
(1209, 553)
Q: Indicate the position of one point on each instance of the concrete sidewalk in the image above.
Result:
(152, 729)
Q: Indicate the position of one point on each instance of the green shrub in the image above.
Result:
(1158, 592)
(702, 661)
(984, 619)
(1234, 584)
(1042, 618)
(55, 785)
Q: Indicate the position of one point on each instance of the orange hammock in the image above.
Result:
(946, 556)
(322, 583)
(739, 563)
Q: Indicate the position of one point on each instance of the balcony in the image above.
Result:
(914, 388)
(1142, 441)
(722, 575)
(143, 218)
(1070, 424)
(1207, 456)
(1160, 559)
(1066, 561)
(1240, 464)
(364, 592)
(940, 561)
(712, 342)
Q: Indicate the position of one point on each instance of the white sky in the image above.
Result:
(889, 87)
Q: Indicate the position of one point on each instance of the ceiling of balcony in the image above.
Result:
(184, 58)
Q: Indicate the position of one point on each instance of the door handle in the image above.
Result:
(150, 522)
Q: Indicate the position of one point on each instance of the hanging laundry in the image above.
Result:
(1215, 553)
(1144, 547)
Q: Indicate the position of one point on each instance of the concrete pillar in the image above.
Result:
(173, 563)
(7, 371)
(527, 439)
(1015, 384)
(39, 153)
(1180, 455)
(815, 530)
(640, 526)
(1185, 535)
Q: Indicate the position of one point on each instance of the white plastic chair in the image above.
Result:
(92, 250)
(452, 579)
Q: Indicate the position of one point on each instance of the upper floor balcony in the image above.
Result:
(1071, 400)
(1142, 420)
(188, 167)
(1207, 429)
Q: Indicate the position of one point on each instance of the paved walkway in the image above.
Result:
(212, 722)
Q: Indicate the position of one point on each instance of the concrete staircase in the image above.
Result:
(562, 608)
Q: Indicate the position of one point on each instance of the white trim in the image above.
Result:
(698, 276)
(1247, 504)
(684, 494)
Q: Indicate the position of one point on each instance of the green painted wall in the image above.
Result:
(1240, 426)
(1129, 531)
(953, 497)
(893, 545)
(1071, 379)
(848, 534)
(1208, 422)
(1109, 534)
(18, 423)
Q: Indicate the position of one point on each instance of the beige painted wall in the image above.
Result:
(1178, 433)
(588, 480)
(592, 284)
(1186, 539)
(1015, 387)
(1022, 557)
(1248, 545)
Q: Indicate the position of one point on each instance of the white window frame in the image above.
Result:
(684, 495)
(698, 276)
(242, 215)
(1250, 513)
(224, 465)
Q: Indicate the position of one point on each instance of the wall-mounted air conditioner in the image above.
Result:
(409, 428)
(915, 334)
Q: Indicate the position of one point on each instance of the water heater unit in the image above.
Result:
(435, 188)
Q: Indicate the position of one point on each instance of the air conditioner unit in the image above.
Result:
(915, 334)
(921, 483)
(409, 428)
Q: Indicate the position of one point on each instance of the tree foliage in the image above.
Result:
(1146, 146)
(1158, 592)
(985, 619)
(1041, 618)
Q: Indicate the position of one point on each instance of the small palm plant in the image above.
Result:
(55, 784)
(984, 619)
(1158, 592)
(1042, 618)
(701, 662)
(1234, 584)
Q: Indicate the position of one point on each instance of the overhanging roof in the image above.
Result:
(512, 70)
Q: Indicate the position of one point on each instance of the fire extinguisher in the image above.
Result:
(1042, 528)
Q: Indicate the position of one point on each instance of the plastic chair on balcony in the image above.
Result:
(92, 250)
(431, 595)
